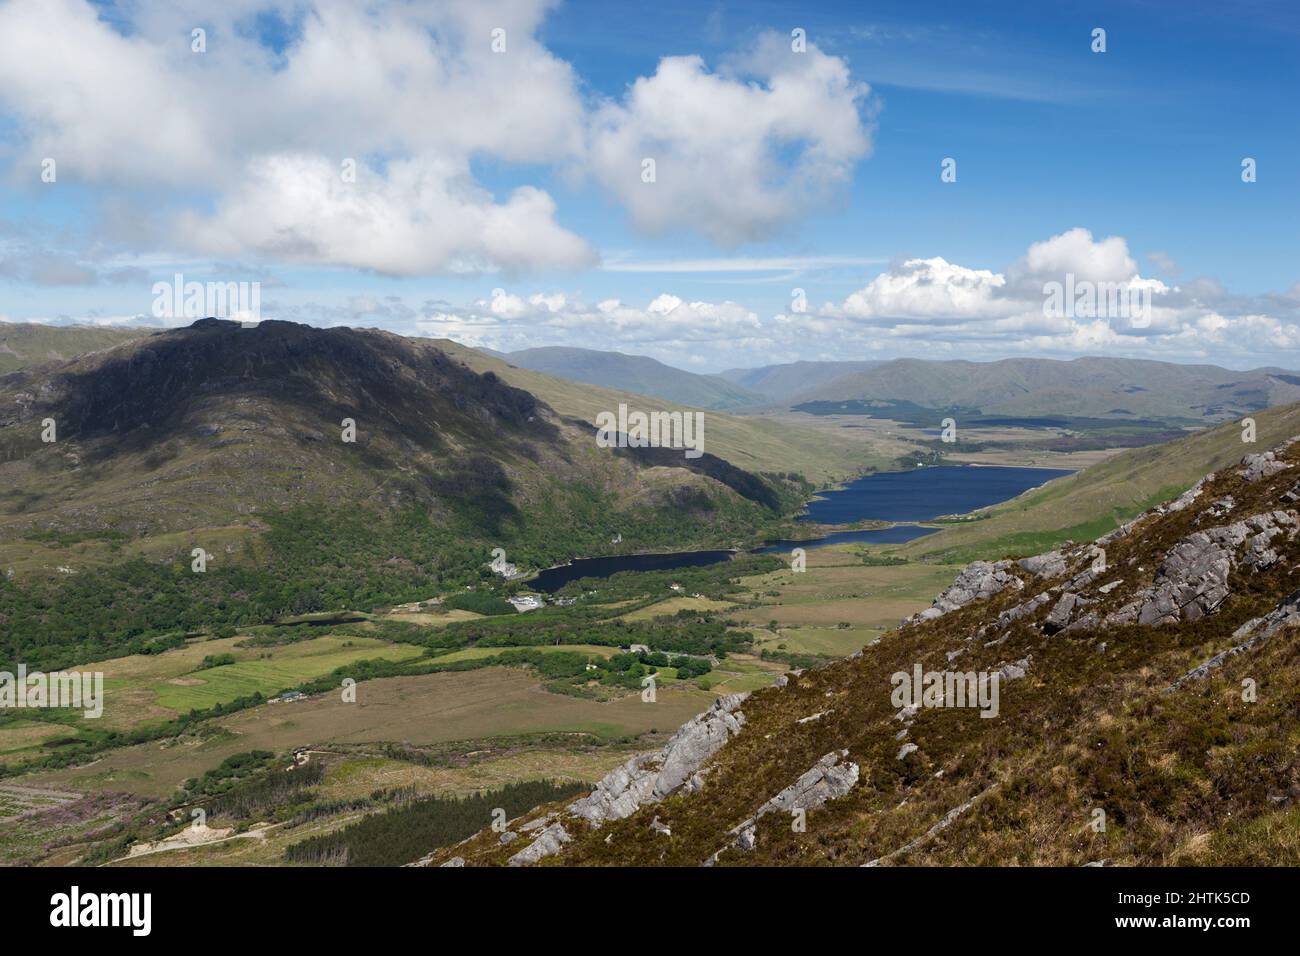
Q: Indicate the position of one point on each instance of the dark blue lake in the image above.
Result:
(552, 579)
(925, 493)
(898, 534)
(916, 495)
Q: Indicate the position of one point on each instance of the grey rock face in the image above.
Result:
(651, 777)
(1061, 614)
(548, 843)
(977, 582)
(1263, 465)
(1192, 580)
(455, 861)
(1049, 565)
(906, 749)
(827, 780)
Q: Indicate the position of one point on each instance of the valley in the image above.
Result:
(350, 619)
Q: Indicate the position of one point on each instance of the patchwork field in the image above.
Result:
(421, 710)
(839, 604)
(157, 687)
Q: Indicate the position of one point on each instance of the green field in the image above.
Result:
(220, 685)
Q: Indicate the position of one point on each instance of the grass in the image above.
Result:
(294, 665)
(420, 711)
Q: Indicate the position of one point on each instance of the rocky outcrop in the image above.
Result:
(1049, 565)
(946, 821)
(1264, 465)
(827, 780)
(1192, 580)
(1256, 631)
(651, 777)
(548, 843)
(977, 582)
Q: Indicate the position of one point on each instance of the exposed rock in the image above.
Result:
(1192, 580)
(1256, 631)
(946, 821)
(1291, 496)
(1088, 622)
(1060, 615)
(455, 861)
(827, 780)
(1016, 669)
(651, 777)
(548, 843)
(660, 827)
(1219, 508)
(1263, 465)
(1048, 565)
(977, 582)
(1013, 614)
(509, 837)
(906, 749)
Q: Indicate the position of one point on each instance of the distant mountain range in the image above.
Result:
(637, 373)
(780, 383)
(1053, 391)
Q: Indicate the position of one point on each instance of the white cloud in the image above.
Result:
(738, 153)
(413, 93)
(928, 289)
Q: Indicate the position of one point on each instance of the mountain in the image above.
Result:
(29, 343)
(780, 383)
(1132, 701)
(1097, 388)
(317, 469)
(636, 373)
(747, 441)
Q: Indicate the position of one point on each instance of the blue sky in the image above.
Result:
(826, 181)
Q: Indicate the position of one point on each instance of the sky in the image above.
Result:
(712, 184)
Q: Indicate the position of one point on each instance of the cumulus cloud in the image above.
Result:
(251, 135)
(412, 94)
(737, 152)
(928, 289)
(934, 307)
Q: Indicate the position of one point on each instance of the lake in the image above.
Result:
(925, 493)
(917, 495)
